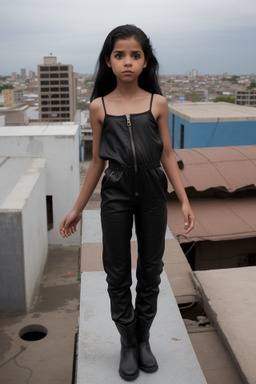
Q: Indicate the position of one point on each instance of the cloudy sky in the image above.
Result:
(213, 36)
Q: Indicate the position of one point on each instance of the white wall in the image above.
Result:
(2, 121)
(59, 144)
(23, 237)
(35, 241)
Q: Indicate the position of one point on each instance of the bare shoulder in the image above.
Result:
(96, 105)
(97, 110)
(160, 107)
(160, 101)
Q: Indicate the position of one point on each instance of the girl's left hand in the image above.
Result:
(189, 218)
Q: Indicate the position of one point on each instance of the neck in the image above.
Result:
(127, 90)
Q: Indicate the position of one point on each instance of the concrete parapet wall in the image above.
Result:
(59, 144)
(23, 236)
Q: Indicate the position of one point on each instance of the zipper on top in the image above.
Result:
(129, 125)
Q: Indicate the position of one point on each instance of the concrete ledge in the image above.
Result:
(229, 299)
(23, 231)
(99, 345)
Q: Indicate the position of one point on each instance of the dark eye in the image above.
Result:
(118, 55)
(137, 56)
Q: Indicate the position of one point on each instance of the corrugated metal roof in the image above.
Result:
(216, 219)
(226, 168)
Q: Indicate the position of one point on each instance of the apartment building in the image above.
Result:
(13, 97)
(56, 91)
(247, 97)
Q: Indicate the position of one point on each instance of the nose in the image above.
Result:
(127, 61)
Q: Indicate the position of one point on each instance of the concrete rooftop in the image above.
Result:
(68, 129)
(209, 112)
(56, 307)
(18, 177)
(229, 297)
(99, 341)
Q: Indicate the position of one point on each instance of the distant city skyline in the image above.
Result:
(214, 36)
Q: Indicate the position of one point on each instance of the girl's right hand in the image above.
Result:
(69, 223)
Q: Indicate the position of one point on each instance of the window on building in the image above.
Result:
(44, 89)
(44, 82)
(55, 68)
(64, 82)
(182, 128)
(63, 75)
(43, 69)
(44, 75)
(54, 75)
(49, 208)
(64, 68)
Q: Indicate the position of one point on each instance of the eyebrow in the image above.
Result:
(121, 51)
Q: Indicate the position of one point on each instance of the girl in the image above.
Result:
(129, 118)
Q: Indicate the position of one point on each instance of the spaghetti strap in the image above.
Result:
(151, 101)
(103, 103)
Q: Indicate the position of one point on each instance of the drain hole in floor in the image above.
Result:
(33, 332)
(191, 310)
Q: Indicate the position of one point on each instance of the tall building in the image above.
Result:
(31, 75)
(246, 97)
(56, 91)
(13, 97)
(193, 73)
(23, 74)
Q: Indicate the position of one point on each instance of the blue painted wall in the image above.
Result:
(211, 134)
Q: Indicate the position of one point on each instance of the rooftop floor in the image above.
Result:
(56, 307)
(229, 298)
(207, 112)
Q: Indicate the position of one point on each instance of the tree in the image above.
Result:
(6, 86)
(252, 85)
(194, 97)
(226, 99)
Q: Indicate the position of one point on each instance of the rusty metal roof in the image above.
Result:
(226, 168)
(216, 219)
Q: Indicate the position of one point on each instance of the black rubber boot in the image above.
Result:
(147, 361)
(128, 368)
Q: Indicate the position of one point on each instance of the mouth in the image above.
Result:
(127, 72)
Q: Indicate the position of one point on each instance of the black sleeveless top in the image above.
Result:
(131, 141)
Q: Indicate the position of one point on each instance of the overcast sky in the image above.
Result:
(213, 36)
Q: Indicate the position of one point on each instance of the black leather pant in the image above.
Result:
(128, 196)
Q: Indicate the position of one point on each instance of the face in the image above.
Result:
(127, 59)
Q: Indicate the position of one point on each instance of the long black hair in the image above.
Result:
(105, 80)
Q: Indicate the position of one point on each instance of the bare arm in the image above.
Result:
(170, 165)
(97, 165)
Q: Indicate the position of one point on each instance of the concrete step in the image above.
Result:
(99, 341)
